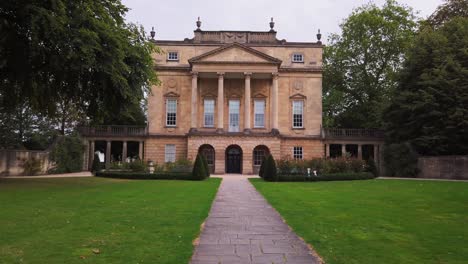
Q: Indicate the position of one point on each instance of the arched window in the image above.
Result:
(259, 153)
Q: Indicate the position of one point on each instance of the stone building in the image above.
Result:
(234, 96)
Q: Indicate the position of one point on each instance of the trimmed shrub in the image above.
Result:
(96, 166)
(68, 154)
(205, 164)
(327, 177)
(270, 173)
(32, 166)
(145, 176)
(198, 172)
(400, 160)
(137, 166)
(261, 171)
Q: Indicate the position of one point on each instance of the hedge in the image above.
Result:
(145, 176)
(295, 177)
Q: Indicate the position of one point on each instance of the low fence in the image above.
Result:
(11, 161)
(443, 167)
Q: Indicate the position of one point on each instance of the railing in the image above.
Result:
(115, 131)
(352, 133)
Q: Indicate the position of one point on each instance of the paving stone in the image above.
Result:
(243, 228)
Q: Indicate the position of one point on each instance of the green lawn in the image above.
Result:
(65, 220)
(377, 221)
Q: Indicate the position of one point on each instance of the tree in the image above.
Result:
(447, 11)
(68, 154)
(430, 107)
(74, 51)
(360, 65)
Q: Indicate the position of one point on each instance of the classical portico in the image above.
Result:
(223, 64)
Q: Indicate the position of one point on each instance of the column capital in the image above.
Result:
(194, 74)
(247, 74)
(220, 74)
(275, 75)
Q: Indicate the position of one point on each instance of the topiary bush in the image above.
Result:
(270, 173)
(261, 171)
(205, 164)
(162, 175)
(97, 165)
(372, 167)
(198, 172)
(68, 154)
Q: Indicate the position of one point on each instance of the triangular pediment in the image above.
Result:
(235, 53)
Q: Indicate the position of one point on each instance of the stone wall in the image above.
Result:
(11, 161)
(443, 167)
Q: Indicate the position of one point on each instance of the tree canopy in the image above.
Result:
(430, 107)
(361, 63)
(79, 52)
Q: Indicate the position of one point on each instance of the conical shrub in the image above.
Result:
(270, 173)
(261, 171)
(198, 172)
(205, 164)
(96, 166)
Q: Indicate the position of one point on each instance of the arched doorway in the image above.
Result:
(209, 153)
(233, 159)
(259, 153)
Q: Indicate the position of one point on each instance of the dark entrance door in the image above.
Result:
(234, 160)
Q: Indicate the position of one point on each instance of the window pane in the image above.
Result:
(234, 115)
(171, 112)
(297, 152)
(297, 113)
(173, 56)
(259, 113)
(170, 153)
(259, 155)
(209, 112)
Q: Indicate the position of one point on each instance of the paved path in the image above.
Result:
(243, 228)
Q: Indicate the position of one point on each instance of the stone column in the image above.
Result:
(194, 116)
(274, 109)
(327, 151)
(220, 101)
(247, 96)
(375, 152)
(140, 150)
(343, 150)
(108, 154)
(359, 151)
(91, 153)
(124, 151)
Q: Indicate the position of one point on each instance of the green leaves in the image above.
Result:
(430, 106)
(79, 51)
(361, 64)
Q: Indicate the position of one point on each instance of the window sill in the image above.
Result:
(302, 62)
(170, 126)
(172, 60)
(298, 128)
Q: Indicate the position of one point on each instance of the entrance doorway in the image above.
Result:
(233, 159)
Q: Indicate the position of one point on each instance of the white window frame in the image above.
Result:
(256, 125)
(173, 56)
(207, 114)
(298, 152)
(301, 113)
(170, 111)
(170, 153)
(233, 111)
(295, 57)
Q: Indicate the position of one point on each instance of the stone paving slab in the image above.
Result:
(244, 228)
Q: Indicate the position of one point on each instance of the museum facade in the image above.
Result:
(235, 97)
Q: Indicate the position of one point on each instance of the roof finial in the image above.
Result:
(319, 36)
(152, 33)
(198, 24)
(272, 25)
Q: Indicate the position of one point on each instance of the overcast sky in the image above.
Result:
(296, 20)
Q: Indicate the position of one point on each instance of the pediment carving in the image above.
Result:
(235, 53)
(171, 94)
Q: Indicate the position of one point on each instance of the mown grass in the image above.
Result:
(95, 220)
(377, 221)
